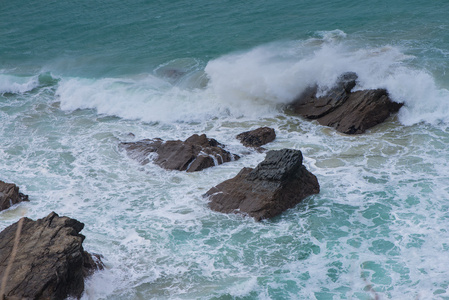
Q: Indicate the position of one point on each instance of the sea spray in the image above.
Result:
(17, 84)
(378, 228)
(260, 81)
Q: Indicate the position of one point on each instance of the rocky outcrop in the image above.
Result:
(50, 262)
(279, 182)
(10, 195)
(194, 154)
(348, 112)
(257, 137)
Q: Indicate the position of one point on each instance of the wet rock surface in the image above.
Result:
(194, 154)
(278, 183)
(10, 195)
(50, 262)
(348, 112)
(257, 137)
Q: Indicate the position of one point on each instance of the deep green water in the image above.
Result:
(77, 77)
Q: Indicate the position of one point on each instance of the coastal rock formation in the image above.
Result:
(49, 262)
(348, 112)
(194, 154)
(279, 182)
(10, 195)
(257, 137)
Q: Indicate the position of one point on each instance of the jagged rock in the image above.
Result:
(257, 137)
(9, 195)
(50, 261)
(194, 154)
(361, 111)
(279, 182)
(348, 112)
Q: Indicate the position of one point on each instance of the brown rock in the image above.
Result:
(348, 112)
(279, 182)
(362, 110)
(50, 262)
(257, 137)
(9, 195)
(194, 154)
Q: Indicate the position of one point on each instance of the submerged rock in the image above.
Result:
(50, 262)
(279, 182)
(10, 195)
(257, 137)
(348, 112)
(194, 154)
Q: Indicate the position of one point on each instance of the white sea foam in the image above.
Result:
(258, 82)
(279, 72)
(147, 98)
(17, 84)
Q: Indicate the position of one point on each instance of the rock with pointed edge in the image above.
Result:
(50, 261)
(348, 112)
(278, 183)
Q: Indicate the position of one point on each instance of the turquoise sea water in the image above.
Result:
(76, 78)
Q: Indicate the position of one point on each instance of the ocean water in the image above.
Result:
(79, 77)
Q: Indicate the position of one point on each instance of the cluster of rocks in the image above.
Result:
(276, 184)
(347, 111)
(47, 257)
(42, 259)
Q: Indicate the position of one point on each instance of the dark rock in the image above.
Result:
(361, 111)
(279, 182)
(194, 154)
(313, 107)
(9, 195)
(50, 261)
(348, 112)
(257, 137)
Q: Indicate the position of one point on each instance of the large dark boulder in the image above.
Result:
(348, 112)
(50, 262)
(361, 111)
(279, 182)
(10, 195)
(194, 154)
(257, 137)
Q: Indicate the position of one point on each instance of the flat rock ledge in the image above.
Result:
(194, 154)
(348, 112)
(257, 137)
(10, 195)
(278, 183)
(50, 262)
